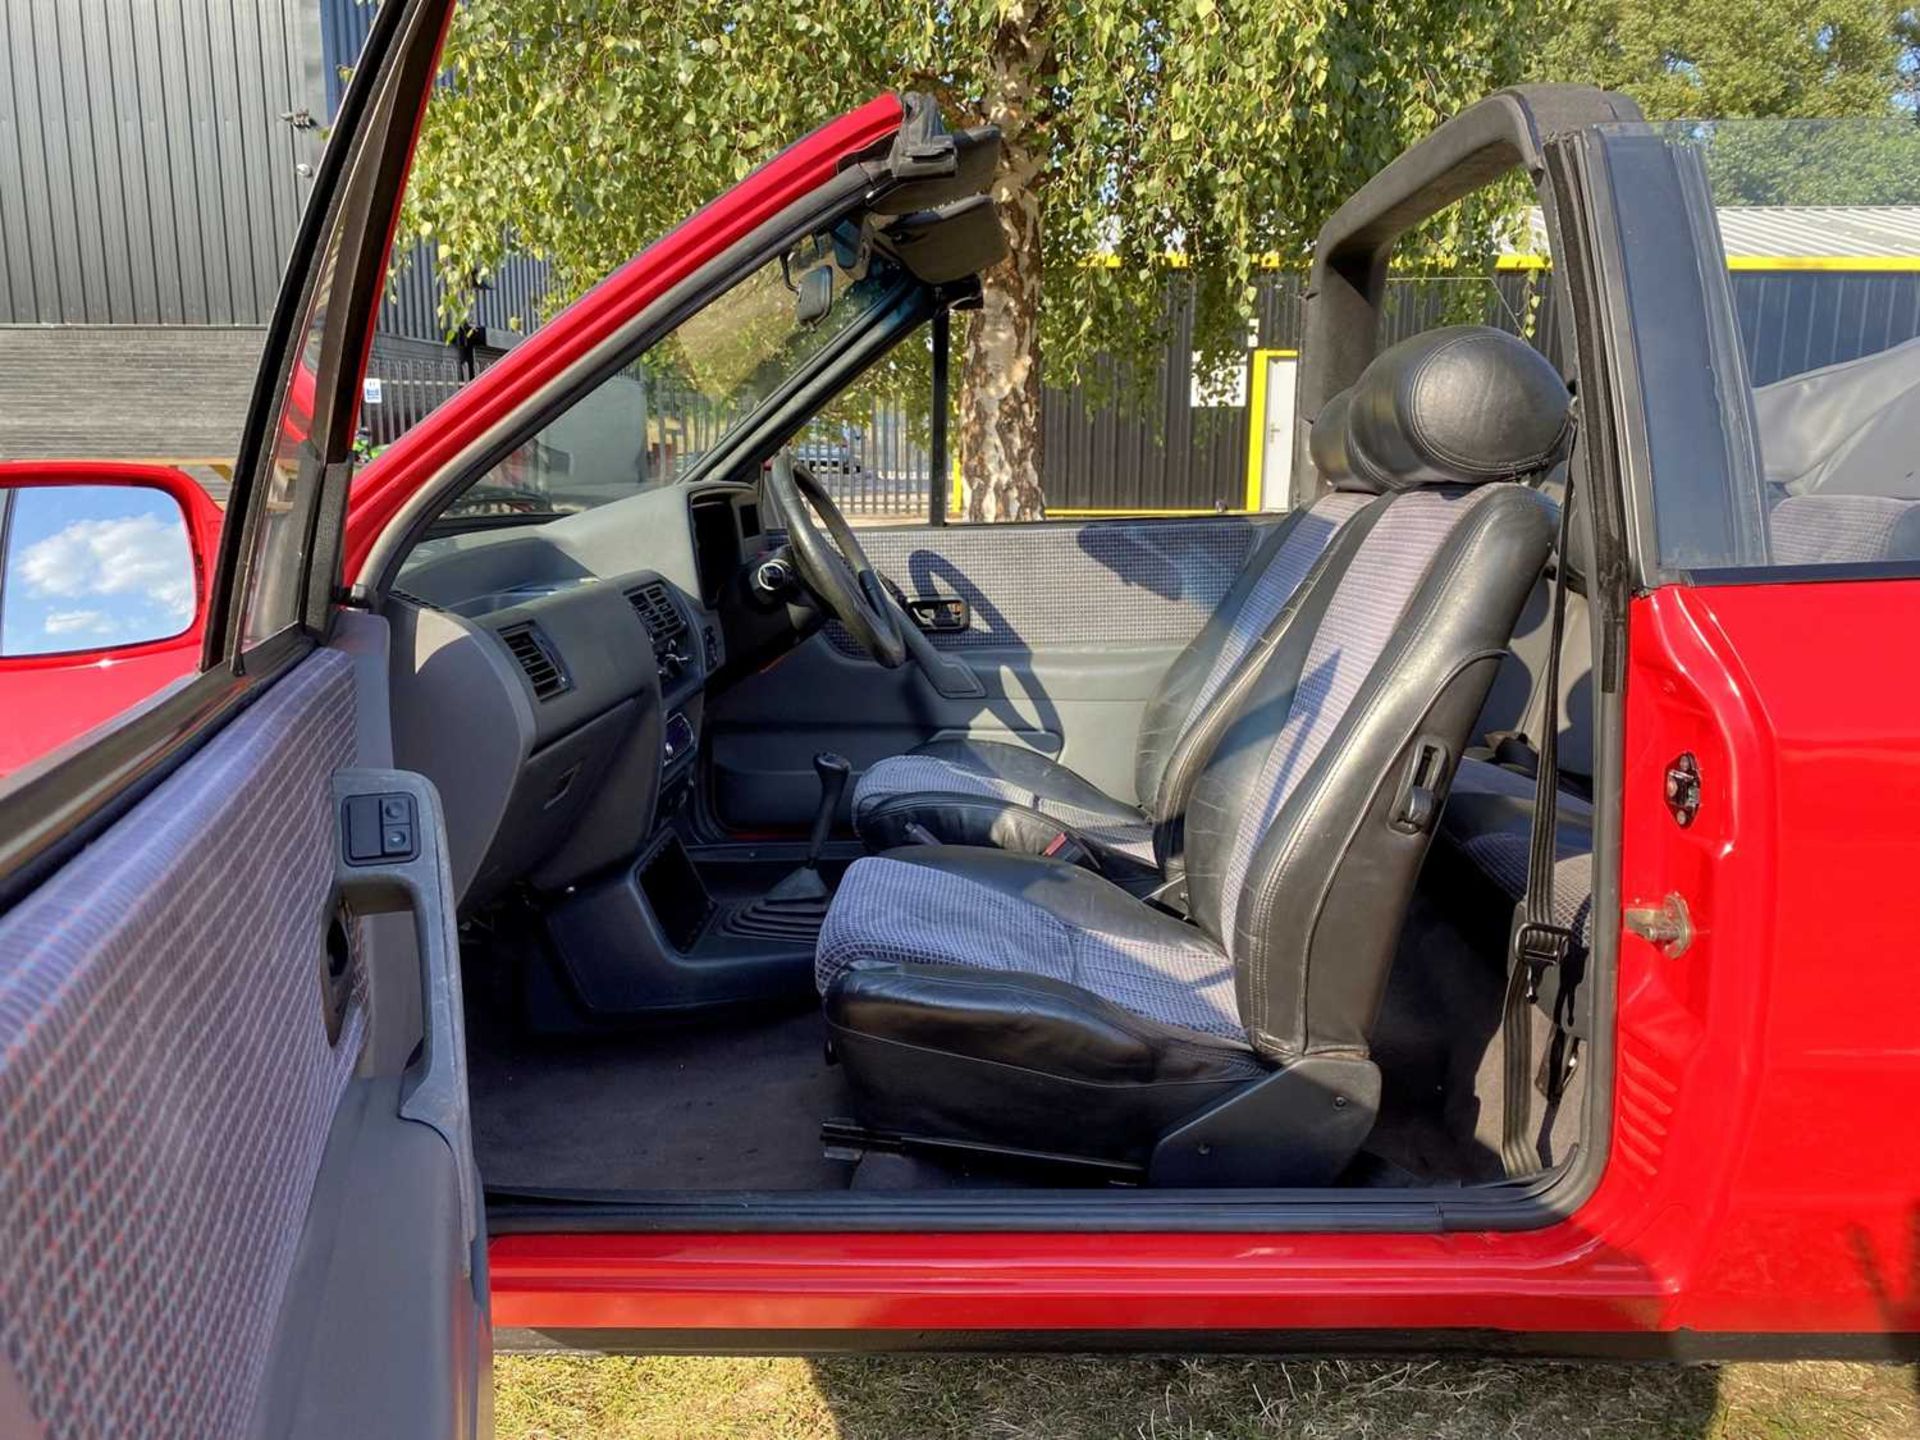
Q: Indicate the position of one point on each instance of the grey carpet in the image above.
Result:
(734, 1105)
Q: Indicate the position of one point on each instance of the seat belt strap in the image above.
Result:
(1536, 941)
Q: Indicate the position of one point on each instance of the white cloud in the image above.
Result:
(141, 556)
(78, 622)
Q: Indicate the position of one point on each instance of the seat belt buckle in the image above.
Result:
(1537, 945)
(1064, 847)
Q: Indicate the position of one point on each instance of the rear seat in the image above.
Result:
(1489, 823)
(1489, 815)
(1826, 529)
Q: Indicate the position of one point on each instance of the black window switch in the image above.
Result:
(378, 828)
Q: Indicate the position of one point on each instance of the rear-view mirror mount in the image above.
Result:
(814, 296)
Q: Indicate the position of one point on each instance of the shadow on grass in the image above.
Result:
(1070, 1398)
(662, 1397)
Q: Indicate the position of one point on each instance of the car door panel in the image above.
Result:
(1079, 706)
(1134, 581)
(388, 1202)
(1070, 629)
(181, 947)
(237, 1192)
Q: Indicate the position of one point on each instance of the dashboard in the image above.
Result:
(551, 679)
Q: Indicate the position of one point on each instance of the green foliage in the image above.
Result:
(577, 131)
(1845, 67)
(1688, 59)
(1811, 162)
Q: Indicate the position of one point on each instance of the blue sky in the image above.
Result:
(93, 565)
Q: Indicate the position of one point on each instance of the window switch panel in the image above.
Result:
(380, 829)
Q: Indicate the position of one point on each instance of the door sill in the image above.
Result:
(1543, 1201)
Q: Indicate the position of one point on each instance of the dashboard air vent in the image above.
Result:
(657, 612)
(535, 655)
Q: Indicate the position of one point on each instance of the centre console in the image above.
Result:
(654, 940)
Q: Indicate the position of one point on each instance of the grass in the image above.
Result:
(567, 1397)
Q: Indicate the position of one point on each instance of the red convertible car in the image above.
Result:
(1472, 909)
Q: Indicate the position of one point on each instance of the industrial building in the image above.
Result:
(154, 161)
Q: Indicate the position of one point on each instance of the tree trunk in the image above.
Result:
(1000, 375)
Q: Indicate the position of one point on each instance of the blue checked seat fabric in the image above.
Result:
(1489, 824)
(1013, 999)
(984, 792)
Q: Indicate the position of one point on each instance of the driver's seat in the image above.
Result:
(984, 999)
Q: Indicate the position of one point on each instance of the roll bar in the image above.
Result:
(1506, 131)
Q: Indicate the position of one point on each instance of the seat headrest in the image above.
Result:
(1461, 405)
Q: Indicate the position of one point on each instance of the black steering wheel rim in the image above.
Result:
(837, 569)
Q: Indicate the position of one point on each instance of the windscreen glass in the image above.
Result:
(653, 422)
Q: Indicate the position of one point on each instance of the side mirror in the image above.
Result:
(815, 296)
(97, 560)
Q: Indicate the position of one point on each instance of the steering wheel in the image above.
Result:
(837, 569)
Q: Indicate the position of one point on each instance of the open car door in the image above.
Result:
(237, 1193)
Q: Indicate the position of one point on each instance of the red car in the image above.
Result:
(647, 915)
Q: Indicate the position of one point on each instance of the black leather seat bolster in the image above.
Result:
(983, 821)
(957, 817)
(1019, 1060)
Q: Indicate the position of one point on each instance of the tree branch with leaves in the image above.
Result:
(1223, 131)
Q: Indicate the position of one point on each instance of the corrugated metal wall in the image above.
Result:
(1174, 456)
(1164, 455)
(1796, 321)
(146, 174)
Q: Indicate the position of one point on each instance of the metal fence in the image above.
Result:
(1171, 454)
(876, 467)
(404, 385)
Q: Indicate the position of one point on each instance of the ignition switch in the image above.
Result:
(773, 576)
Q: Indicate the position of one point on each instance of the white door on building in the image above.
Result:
(1276, 427)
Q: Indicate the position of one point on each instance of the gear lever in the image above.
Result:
(832, 771)
(806, 883)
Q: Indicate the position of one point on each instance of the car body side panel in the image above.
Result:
(1762, 1177)
(1791, 1028)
